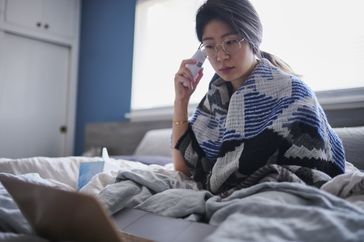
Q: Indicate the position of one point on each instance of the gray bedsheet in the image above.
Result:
(284, 212)
(268, 211)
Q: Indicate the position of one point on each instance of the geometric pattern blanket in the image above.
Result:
(273, 118)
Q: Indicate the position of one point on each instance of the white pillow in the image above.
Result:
(155, 142)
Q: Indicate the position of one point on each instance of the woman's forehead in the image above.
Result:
(217, 29)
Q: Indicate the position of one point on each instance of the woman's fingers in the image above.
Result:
(184, 76)
(186, 73)
(187, 61)
(184, 81)
(198, 78)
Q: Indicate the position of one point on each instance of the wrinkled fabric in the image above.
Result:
(276, 208)
(349, 186)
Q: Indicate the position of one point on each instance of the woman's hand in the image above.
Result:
(184, 85)
(184, 82)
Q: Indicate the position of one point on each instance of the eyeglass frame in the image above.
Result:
(222, 47)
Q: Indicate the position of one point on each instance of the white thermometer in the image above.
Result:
(200, 57)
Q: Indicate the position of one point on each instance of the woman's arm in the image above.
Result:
(179, 127)
(184, 85)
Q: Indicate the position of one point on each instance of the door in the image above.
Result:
(33, 96)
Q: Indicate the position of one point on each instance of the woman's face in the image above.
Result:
(235, 66)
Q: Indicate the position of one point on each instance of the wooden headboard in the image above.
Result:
(120, 138)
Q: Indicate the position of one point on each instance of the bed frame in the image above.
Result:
(121, 138)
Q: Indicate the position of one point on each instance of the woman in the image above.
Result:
(256, 112)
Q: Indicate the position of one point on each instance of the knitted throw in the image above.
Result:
(273, 118)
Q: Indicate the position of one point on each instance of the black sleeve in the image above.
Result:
(194, 156)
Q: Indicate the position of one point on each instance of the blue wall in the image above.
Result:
(105, 65)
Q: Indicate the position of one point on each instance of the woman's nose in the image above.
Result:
(221, 54)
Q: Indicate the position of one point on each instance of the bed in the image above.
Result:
(140, 168)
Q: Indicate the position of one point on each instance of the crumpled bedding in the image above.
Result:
(349, 186)
(266, 211)
(284, 212)
(61, 172)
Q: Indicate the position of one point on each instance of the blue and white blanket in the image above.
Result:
(273, 118)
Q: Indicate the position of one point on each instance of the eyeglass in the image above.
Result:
(229, 47)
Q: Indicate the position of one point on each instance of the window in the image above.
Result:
(321, 40)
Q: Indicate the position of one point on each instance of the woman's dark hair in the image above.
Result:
(243, 19)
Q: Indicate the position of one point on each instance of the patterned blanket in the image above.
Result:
(273, 118)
